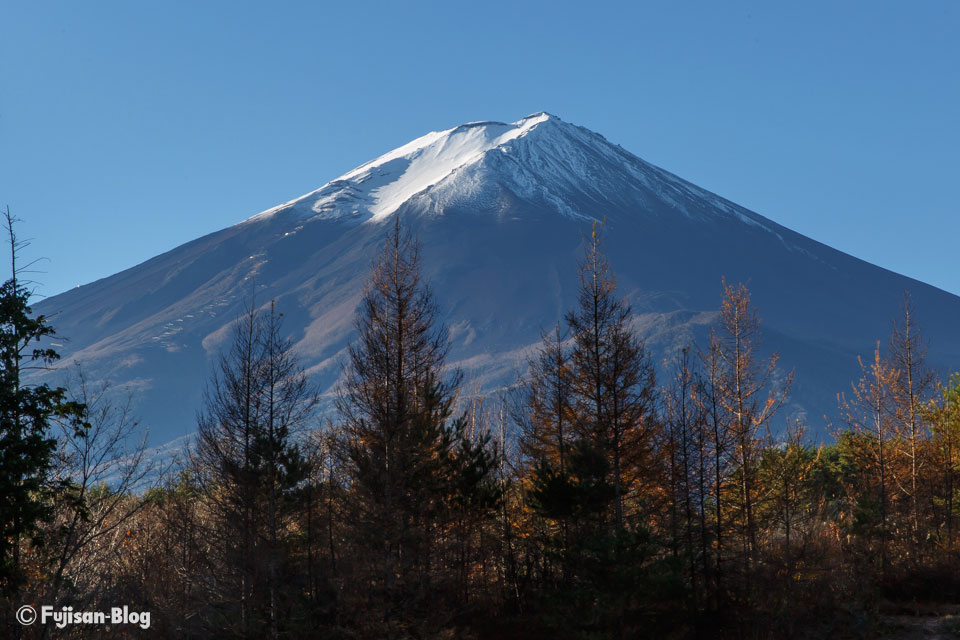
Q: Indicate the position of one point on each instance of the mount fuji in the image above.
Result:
(500, 209)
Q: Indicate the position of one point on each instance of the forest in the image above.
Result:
(592, 498)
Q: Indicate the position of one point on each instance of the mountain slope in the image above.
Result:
(500, 209)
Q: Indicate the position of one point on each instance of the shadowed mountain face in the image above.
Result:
(500, 210)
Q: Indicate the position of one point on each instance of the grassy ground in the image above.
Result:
(919, 621)
(919, 628)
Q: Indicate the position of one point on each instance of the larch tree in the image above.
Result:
(613, 382)
(749, 398)
(716, 447)
(911, 390)
(687, 465)
(868, 411)
(602, 496)
(248, 461)
(542, 410)
(407, 458)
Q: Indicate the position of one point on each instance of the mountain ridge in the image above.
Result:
(501, 236)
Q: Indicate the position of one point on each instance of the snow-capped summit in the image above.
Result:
(501, 209)
(539, 157)
(377, 188)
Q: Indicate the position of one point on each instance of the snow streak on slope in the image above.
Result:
(376, 189)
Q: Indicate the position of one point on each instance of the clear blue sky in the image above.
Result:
(128, 128)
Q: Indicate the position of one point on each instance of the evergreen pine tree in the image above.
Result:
(26, 412)
(943, 413)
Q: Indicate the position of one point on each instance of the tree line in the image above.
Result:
(588, 500)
